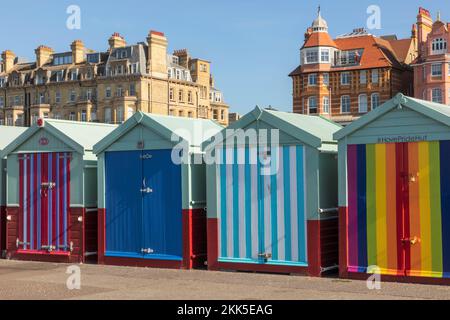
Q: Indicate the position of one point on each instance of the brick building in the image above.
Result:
(346, 77)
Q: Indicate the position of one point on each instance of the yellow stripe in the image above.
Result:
(381, 210)
(424, 203)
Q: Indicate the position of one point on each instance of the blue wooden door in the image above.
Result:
(123, 204)
(162, 209)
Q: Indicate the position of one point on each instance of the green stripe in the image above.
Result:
(371, 206)
(435, 203)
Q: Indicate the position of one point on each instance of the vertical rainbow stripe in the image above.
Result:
(399, 192)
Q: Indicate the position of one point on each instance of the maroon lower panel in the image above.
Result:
(76, 237)
(322, 251)
(2, 230)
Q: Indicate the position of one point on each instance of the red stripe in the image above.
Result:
(54, 194)
(399, 155)
(35, 209)
(21, 199)
(44, 207)
(61, 199)
(406, 228)
(67, 204)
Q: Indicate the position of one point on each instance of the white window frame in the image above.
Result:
(375, 76)
(436, 98)
(346, 76)
(349, 104)
(325, 53)
(310, 99)
(312, 56)
(363, 77)
(436, 70)
(312, 76)
(439, 46)
(326, 79)
(372, 96)
(326, 104)
(363, 103)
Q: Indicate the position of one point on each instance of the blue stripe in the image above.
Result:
(274, 201)
(39, 214)
(235, 204)
(49, 200)
(260, 207)
(223, 203)
(301, 204)
(32, 195)
(248, 204)
(362, 206)
(57, 200)
(287, 203)
(445, 205)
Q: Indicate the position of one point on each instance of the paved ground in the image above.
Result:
(30, 280)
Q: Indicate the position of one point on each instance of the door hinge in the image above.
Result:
(19, 243)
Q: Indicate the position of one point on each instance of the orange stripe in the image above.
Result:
(414, 206)
(391, 209)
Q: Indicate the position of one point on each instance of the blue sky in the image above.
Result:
(253, 44)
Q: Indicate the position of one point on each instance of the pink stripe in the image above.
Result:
(352, 223)
(28, 194)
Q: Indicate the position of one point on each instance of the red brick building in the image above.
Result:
(346, 77)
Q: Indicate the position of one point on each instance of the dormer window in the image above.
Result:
(439, 46)
(325, 55)
(59, 76)
(74, 75)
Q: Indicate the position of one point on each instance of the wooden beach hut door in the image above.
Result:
(143, 205)
(261, 204)
(44, 188)
(399, 208)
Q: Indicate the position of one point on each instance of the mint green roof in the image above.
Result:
(194, 131)
(435, 111)
(81, 136)
(312, 130)
(9, 134)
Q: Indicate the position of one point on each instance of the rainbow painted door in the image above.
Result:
(44, 201)
(261, 205)
(399, 208)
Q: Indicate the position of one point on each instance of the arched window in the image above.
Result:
(362, 103)
(439, 46)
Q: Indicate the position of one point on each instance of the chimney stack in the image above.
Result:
(116, 41)
(43, 55)
(78, 51)
(8, 58)
(183, 57)
(424, 27)
(157, 53)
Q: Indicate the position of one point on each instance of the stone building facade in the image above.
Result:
(109, 86)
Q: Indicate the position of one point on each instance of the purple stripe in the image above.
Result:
(352, 206)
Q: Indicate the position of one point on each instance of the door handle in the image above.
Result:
(412, 241)
(147, 190)
(147, 251)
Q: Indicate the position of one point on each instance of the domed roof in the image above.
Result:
(319, 24)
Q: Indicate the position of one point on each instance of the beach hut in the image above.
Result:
(51, 191)
(272, 203)
(7, 135)
(394, 192)
(151, 186)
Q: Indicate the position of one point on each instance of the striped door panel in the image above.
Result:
(262, 209)
(44, 201)
(399, 208)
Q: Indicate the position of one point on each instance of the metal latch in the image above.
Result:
(48, 185)
(49, 248)
(411, 241)
(147, 190)
(147, 251)
(19, 243)
(265, 256)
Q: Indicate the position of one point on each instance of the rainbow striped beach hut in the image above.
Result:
(394, 192)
